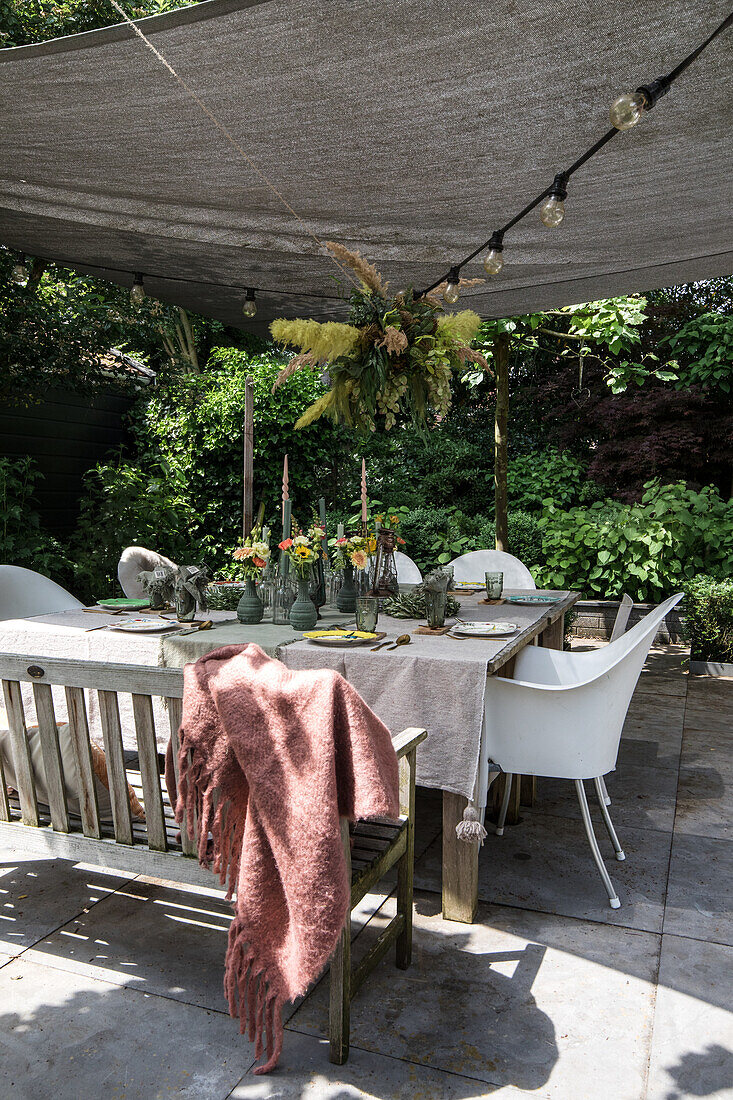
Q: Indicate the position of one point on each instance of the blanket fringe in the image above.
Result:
(199, 802)
(252, 999)
(471, 828)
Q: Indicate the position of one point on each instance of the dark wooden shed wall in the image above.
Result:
(66, 435)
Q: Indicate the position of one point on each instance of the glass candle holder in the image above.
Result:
(494, 585)
(367, 613)
(435, 608)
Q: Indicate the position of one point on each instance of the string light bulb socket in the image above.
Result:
(627, 110)
(249, 307)
(552, 210)
(450, 294)
(19, 270)
(494, 260)
(137, 292)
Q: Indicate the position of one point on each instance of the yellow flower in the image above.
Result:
(372, 544)
(302, 552)
(359, 559)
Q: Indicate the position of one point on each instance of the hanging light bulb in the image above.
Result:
(250, 305)
(137, 293)
(19, 271)
(552, 210)
(493, 260)
(450, 294)
(627, 110)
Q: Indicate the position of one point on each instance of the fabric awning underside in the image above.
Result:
(405, 129)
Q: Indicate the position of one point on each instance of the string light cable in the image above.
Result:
(625, 112)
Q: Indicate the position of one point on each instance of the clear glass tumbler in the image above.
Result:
(494, 585)
(367, 613)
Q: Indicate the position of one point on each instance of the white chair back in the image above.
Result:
(471, 567)
(407, 571)
(134, 560)
(622, 617)
(24, 593)
(563, 713)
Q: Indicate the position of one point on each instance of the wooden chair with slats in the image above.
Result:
(153, 847)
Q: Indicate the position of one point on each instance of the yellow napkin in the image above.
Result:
(337, 634)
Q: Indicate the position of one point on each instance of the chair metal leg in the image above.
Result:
(509, 780)
(585, 814)
(604, 792)
(620, 856)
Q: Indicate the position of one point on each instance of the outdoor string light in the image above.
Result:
(137, 292)
(626, 111)
(19, 271)
(249, 307)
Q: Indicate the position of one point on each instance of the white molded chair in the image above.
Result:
(134, 560)
(24, 593)
(471, 567)
(562, 716)
(407, 571)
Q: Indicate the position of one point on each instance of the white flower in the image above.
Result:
(261, 550)
(300, 540)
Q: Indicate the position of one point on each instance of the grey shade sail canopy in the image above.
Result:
(407, 130)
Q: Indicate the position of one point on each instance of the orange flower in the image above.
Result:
(359, 559)
(285, 544)
(259, 563)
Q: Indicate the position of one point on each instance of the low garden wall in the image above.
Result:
(595, 619)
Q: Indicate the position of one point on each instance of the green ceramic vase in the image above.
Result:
(303, 614)
(346, 598)
(249, 608)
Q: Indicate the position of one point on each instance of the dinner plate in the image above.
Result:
(468, 584)
(485, 630)
(531, 599)
(124, 604)
(345, 640)
(145, 626)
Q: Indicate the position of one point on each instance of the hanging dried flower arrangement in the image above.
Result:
(394, 358)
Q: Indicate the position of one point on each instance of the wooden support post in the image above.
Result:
(406, 865)
(552, 636)
(501, 368)
(248, 487)
(460, 864)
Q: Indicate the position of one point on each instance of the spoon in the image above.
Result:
(404, 639)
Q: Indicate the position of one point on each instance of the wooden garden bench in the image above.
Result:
(155, 847)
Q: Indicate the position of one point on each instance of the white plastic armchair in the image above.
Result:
(562, 716)
(471, 567)
(24, 593)
(407, 571)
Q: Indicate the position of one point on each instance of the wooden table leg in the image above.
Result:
(552, 636)
(497, 790)
(460, 864)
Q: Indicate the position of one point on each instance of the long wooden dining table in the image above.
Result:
(436, 681)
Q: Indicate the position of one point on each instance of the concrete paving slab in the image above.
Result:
(545, 863)
(159, 937)
(655, 683)
(304, 1072)
(705, 795)
(37, 895)
(495, 1002)
(692, 1042)
(642, 798)
(73, 1037)
(700, 889)
(647, 748)
(709, 704)
(663, 714)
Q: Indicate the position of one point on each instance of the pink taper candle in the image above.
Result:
(285, 479)
(363, 492)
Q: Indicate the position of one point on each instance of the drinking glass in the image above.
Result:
(494, 585)
(367, 613)
(435, 608)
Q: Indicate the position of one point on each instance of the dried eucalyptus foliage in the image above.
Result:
(411, 605)
(394, 358)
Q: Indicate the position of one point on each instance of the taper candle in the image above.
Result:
(363, 492)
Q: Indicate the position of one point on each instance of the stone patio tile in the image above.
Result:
(692, 1042)
(504, 1002)
(37, 895)
(663, 714)
(647, 747)
(641, 798)
(545, 863)
(705, 791)
(700, 890)
(158, 937)
(72, 1037)
(5, 959)
(667, 660)
(709, 704)
(304, 1072)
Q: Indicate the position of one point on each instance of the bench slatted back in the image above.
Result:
(143, 683)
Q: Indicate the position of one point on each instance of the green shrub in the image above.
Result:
(524, 537)
(23, 540)
(648, 549)
(427, 533)
(709, 618)
(559, 476)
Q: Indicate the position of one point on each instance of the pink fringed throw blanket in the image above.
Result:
(276, 759)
